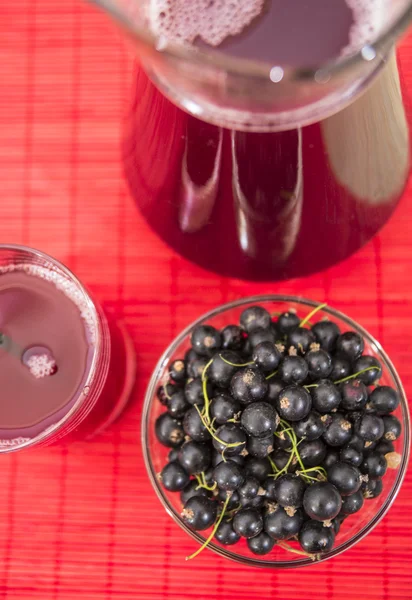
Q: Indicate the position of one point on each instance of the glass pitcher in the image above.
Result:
(259, 171)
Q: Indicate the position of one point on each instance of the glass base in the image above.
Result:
(118, 387)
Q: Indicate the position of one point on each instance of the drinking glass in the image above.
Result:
(108, 375)
(257, 170)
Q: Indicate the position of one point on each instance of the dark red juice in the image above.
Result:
(44, 357)
(64, 367)
(272, 205)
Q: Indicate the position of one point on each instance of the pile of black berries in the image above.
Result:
(278, 430)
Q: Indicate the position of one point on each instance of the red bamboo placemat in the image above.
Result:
(83, 522)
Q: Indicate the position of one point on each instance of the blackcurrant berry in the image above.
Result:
(338, 430)
(332, 457)
(249, 385)
(164, 392)
(325, 396)
(169, 431)
(350, 345)
(248, 522)
(230, 433)
(287, 322)
(384, 400)
(195, 457)
(255, 317)
(301, 339)
(322, 501)
(261, 544)
(225, 534)
(232, 338)
(206, 340)
(351, 456)
(196, 367)
(370, 427)
(293, 369)
(174, 454)
(282, 524)
(319, 363)
(374, 465)
(385, 447)
(366, 362)
(267, 357)
(341, 368)
(354, 395)
(259, 419)
(223, 408)
(228, 475)
(177, 370)
(346, 478)
(194, 391)
(193, 426)
(257, 467)
(174, 477)
(312, 453)
(199, 513)
(275, 387)
(392, 427)
(289, 490)
(270, 489)
(315, 538)
(177, 405)
(260, 447)
(294, 403)
(220, 372)
(311, 427)
(326, 334)
(260, 336)
(351, 504)
(372, 488)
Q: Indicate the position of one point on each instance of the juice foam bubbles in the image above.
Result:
(368, 22)
(214, 21)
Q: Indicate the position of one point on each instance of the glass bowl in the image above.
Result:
(356, 526)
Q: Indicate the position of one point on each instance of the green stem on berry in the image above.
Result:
(348, 378)
(252, 362)
(231, 513)
(201, 480)
(286, 467)
(212, 535)
(308, 477)
(320, 470)
(310, 315)
(206, 407)
(213, 434)
(271, 375)
(166, 392)
(293, 439)
(286, 546)
(274, 467)
(355, 375)
(280, 434)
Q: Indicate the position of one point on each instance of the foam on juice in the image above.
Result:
(215, 21)
(212, 21)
